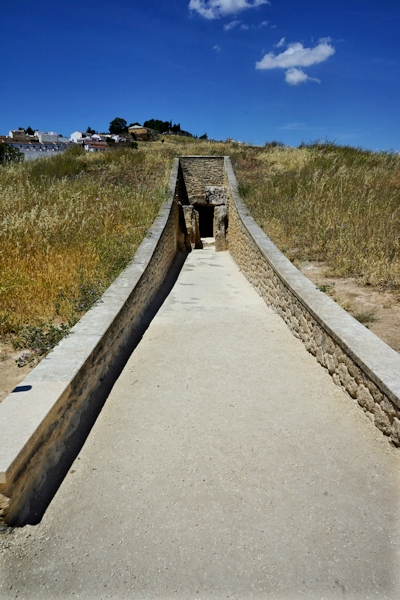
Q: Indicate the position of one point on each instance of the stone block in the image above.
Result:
(330, 363)
(365, 399)
(215, 195)
(382, 420)
(220, 226)
(388, 408)
(396, 431)
(191, 217)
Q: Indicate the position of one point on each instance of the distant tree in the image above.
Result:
(10, 154)
(203, 137)
(29, 131)
(154, 124)
(163, 126)
(158, 125)
(118, 126)
(90, 131)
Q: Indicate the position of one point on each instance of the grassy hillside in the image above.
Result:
(70, 224)
(323, 202)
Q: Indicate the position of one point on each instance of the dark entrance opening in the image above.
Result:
(206, 220)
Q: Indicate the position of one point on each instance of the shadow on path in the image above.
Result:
(55, 475)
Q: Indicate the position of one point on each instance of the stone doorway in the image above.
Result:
(203, 197)
(206, 221)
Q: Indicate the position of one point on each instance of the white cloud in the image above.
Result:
(244, 26)
(325, 40)
(232, 24)
(297, 56)
(280, 43)
(295, 76)
(214, 9)
(217, 48)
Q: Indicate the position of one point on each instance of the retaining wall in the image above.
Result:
(366, 367)
(39, 418)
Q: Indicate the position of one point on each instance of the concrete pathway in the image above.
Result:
(225, 464)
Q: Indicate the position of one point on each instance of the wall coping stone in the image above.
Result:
(380, 362)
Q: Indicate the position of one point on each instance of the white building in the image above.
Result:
(50, 136)
(79, 136)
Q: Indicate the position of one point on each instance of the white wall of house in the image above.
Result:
(43, 136)
(78, 136)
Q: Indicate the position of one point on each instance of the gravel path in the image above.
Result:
(225, 464)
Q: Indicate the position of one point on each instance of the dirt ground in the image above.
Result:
(376, 309)
(379, 310)
(10, 374)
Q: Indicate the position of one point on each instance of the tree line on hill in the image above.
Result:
(119, 126)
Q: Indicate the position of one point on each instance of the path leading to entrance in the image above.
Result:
(225, 464)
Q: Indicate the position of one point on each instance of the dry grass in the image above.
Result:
(70, 224)
(323, 202)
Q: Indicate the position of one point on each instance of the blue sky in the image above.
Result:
(252, 70)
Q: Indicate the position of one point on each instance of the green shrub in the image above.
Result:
(10, 154)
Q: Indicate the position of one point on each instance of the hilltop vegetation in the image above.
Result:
(120, 126)
(323, 202)
(71, 223)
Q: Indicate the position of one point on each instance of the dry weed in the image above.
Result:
(335, 204)
(63, 239)
(70, 224)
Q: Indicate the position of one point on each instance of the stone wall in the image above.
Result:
(366, 367)
(199, 172)
(39, 418)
